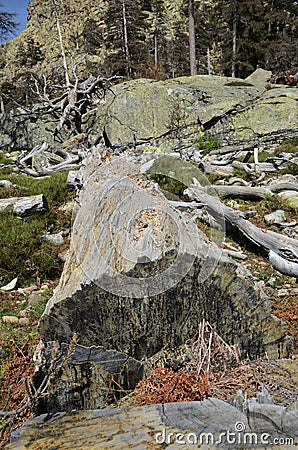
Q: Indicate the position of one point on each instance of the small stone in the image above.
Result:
(282, 292)
(287, 195)
(23, 312)
(292, 202)
(10, 286)
(24, 321)
(74, 179)
(275, 217)
(44, 287)
(34, 298)
(6, 184)
(10, 319)
(54, 239)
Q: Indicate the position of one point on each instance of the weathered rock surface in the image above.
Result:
(54, 239)
(170, 115)
(25, 206)
(139, 279)
(208, 425)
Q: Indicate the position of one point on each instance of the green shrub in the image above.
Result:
(21, 252)
(207, 144)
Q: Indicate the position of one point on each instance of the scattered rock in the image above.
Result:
(6, 184)
(10, 286)
(287, 195)
(34, 298)
(293, 202)
(73, 179)
(10, 319)
(54, 239)
(259, 76)
(25, 206)
(275, 217)
(24, 321)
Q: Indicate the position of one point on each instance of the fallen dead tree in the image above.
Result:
(286, 248)
(26, 206)
(250, 192)
(42, 161)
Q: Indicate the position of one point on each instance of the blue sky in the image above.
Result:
(20, 8)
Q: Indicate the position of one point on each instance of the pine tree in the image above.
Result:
(8, 24)
(126, 49)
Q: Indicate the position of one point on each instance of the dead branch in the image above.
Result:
(286, 248)
(25, 206)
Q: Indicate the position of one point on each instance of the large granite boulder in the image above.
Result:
(172, 114)
(139, 279)
(173, 111)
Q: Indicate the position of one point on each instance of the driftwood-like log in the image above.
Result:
(41, 161)
(26, 206)
(248, 192)
(283, 246)
(233, 148)
(289, 268)
(251, 167)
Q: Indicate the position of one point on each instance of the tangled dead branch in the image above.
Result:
(72, 102)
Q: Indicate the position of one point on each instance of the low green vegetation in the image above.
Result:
(22, 254)
(207, 144)
(174, 175)
(4, 160)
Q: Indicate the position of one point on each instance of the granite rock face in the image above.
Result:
(208, 425)
(171, 115)
(139, 279)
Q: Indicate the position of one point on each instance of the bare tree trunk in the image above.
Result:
(192, 39)
(61, 46)
(234, 49)
(155, 50)
(125, 34)
(2, 108)
(208, 62)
